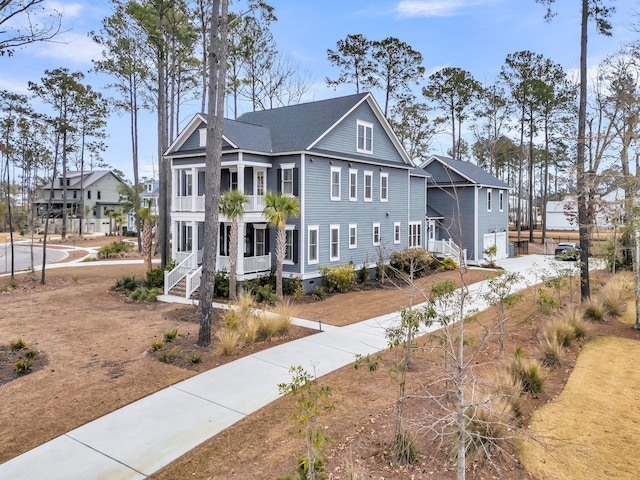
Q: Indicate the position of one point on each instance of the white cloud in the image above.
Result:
(70, 47)
(435, 8)
(68, 10)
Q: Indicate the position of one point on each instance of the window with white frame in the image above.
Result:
(260, 182)
(501, 200)
(489, 195)
(260, 243)
(365, 137)
(368, 186)
(335, 183)
(287, 180)
(334, 242)
(353, 185)
(353, 235)
(203, 137)
(415, 234)
(396, 232)
(312, 254)
(288, 251)
(376, 234)
(384, 187)
(233, 181)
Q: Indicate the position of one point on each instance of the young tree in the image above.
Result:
(353, 57)
(453, 90)
(278, 209)
(599, 11)
(232, 206)
(25, 21)
(395, 65)
(412, 125)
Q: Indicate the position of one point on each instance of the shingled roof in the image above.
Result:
(472, 172)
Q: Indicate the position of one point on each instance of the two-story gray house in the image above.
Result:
(359, 192)
(468, 210)
(90, 195)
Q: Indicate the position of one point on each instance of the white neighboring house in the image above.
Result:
(563, 215)
(148, 198)
(98, 189)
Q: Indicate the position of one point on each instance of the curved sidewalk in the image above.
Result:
(142, 437)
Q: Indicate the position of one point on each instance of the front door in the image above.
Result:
(431, 235)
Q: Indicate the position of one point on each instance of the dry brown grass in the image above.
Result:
(587, 426)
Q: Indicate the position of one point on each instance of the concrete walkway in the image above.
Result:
(140, 438)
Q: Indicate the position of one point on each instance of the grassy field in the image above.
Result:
(592, 429)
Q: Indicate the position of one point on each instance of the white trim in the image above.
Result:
(367, 127)
(376, 226)
(314, 228)
(386, 190)
(353, 172)
(334, 170)
(367, 174)
(397, 232)
(332, 228)
(286, 167)
(355, 227)
(415, 237)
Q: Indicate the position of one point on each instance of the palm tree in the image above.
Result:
(278, 208)
(144, 214)
(232, 206)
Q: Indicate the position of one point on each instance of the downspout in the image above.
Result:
(303, 223)
(475, 224)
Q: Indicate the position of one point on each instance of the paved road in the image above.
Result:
(23, 256)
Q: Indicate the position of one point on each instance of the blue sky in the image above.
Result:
(475, 35)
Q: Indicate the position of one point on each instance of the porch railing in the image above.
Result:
(448, 248)
(255, 203)
(193, 282)
(172, 278)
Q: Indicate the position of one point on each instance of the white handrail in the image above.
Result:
(193, 282)
(172, 278)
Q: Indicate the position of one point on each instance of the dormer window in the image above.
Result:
(203, 137)
(365, 137)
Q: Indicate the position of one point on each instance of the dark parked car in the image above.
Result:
(567, 251)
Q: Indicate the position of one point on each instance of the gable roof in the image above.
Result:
(471, 172)
(76, 180)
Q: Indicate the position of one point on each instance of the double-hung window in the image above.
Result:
(415, 234)
(396, 232)
(335, 183)
(376, 234)
(368, 186)
(288, 251)
(260, 242)
(384, 187)
(365, 137)
(312, 253)
(353, 185)
(286, 186)
(353, 235)
(501, 200)
(489, 195)
(334, 243)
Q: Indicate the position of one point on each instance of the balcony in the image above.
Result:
(255, 204)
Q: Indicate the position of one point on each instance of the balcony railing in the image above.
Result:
(255, 203)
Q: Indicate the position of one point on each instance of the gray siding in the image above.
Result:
(443, 176)
(342, 139)
(458, 223)
(494, 221)
(193, 142)
(418, 204)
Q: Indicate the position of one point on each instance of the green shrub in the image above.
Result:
(404, 260)
(126, 283)
(265, 294)
(168, 357)
(155, 278)
(221, 284)
(18, 345)
(594, 311)
(319, 293)
(157, 346)
(196, 358)
(449, 264)
(24, 365)
(171, 335)
(547, 303)
(363, 272)
(31, 354)
(144, 294)
(340, 278)
(113, 249)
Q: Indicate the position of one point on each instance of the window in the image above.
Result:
(186, 184)
(396, 232)
(203, 137)
(415, 234)
(334, 239)
(75, 194)
(335, 183)
(384, 187)
(488, 199)
(365, 137)
(376, 234)
(353, 185)
(288, 251)
(99, 195)
(368, 186)
(260, 183)
(233, 181)
(501, 200)
(313, 245)
(287, 180)
(88, 194)
(353, 235)
(260, 242)
(149, 187)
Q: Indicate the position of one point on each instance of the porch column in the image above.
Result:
(174, 239)
(241, 178)
(194, 244)
(194, 189)
(240, 262)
